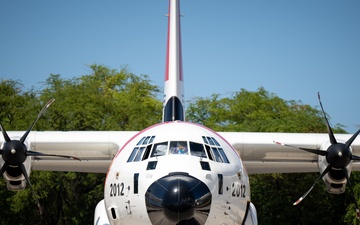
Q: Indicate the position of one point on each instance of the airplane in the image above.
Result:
(178, 172)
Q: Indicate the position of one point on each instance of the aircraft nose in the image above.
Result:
(178, 198)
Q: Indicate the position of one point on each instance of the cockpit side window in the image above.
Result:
(159, 149)
(142, 149)
(207, 147)
(139, 153)
(146, 140)
(211, 142)
(215, 141)
(223, 155)
(151, 139)
(133, 154)
(217, 155)
(141, 140)
(205, 140)
(179, 148)
(197, 149)
(214, 150)
(147, 152)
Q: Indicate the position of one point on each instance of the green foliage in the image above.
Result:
(106, 99)
(349, 217)
(274, 194)
(16, 106)
(258, 111)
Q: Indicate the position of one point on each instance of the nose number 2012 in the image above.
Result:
(238, 190)
(117, 189)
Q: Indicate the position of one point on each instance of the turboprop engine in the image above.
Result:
(16, 158)
(335, 159)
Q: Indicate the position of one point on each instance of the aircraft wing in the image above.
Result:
(260, 154)
(96, 149)
(258, 151)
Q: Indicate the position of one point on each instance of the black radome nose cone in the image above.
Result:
(178, 199)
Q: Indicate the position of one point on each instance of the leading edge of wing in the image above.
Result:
(96, 149)
(260, 154)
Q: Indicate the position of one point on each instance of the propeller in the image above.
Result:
(15, 152)
(338, 155)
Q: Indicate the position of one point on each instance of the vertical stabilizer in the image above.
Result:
(173, 108)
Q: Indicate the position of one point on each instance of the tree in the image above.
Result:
(109, 99)
(258, 111)
(16, 105)
(104, 100)
(274, 194)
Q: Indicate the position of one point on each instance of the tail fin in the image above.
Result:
(173, 108)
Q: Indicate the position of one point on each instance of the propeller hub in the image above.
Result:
(338, 155)
(14, 152)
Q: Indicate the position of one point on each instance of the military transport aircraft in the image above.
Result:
(177, 172)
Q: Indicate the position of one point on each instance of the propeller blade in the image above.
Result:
(315, 151)
(3, 168)
(6, 136)
(39, 154)
(304, 196)
(331, 134)
(32, 189)
(355, 157)
(22, 139)
(350, 141)
(352, 192)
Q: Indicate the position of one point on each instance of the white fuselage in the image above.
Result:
(182, 172)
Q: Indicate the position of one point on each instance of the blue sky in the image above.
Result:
(291, 48)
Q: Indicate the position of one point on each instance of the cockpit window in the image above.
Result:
(215, 141)
(214, 151)
(197, 149)
(133, 153)
(141, 140)
(223, 155)
(146, 140)
(142, 149)
(146, 148)
(151, 139)
(147, 152)
(217, 154)
(159, 149)
(179, 147)
(211, 142)
(208, 150)
(139, 153)
(205, 140)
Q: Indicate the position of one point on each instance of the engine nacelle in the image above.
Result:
(251, 215)
(100, 216)
(335, 180)
(15, 179)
